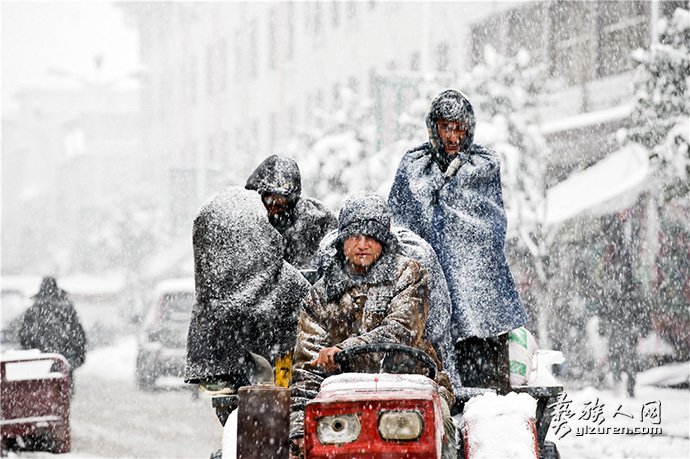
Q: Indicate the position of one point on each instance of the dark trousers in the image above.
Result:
(484, 362)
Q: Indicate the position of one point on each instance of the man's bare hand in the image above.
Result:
(326, 358)
(297, 449)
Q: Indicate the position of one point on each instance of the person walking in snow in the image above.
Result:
(51, 324)
(368, 293)
(247, 297)
(301, 221)
(448, 191)
(623, 314)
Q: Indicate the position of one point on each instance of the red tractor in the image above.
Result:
(373, 416)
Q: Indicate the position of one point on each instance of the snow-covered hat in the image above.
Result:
(48, 287)
(276, 175)
(367, 214)
(450, 105)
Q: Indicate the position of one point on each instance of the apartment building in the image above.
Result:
(229, 82)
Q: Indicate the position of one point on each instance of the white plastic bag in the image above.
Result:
(521, 348)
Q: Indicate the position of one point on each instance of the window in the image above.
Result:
(273, 134)
(583, 40)
(290, 30)
(192, 81)
(415, 61)
(353, 83)
(668, 7)
(335, 13)
(238, 56)
(317, 18)
(223, 64)
(223, 150)
(272, 47)
(573, 40)
(442, 55)
(484, 34)
(525, 30)
(210, 59)
(292, 120)
(336, 94)
(623, 27)
(372, 81)
(351, 9)
(211, 152)
(182, 86)
(253, 51)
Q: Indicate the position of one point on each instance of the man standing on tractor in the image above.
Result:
(448, 191)
(301, 221)
(368, 293)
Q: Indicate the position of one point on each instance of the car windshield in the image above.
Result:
(178, 306)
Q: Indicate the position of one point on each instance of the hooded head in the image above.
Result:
(450, 106)
(48, 288)
(276, 175)
(277, 179)
(367, 214)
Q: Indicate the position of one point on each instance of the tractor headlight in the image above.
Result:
(401, 425)
(338, 429)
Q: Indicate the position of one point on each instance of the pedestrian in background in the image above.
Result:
(51, 325)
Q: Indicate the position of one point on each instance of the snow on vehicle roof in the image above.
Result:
(497, 426)
(30, 364)
(185, 284)
(375, 381)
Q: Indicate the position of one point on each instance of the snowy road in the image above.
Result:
(111, 418)
(114, 419)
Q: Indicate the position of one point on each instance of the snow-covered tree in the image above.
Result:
(661, 123)
(331, 151)
(661, 114)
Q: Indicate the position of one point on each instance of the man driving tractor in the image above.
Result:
(368, 293)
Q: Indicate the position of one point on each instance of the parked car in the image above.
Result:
(35, 400)
(162, 340)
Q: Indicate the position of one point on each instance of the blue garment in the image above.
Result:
(462, 217)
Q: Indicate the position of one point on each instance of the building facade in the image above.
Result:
(67, 154)
(229, 82)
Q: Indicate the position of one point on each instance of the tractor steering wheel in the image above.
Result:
(344, 357)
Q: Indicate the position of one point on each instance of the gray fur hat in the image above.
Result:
(365, 213)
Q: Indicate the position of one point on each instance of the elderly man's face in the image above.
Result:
(361, 252)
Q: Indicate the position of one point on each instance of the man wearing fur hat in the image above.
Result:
(368, 293)
(301, 221)
(448, 191)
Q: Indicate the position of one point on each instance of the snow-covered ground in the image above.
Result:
(658, 418)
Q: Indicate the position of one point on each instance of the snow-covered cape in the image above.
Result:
(247, 296)
(463, 218)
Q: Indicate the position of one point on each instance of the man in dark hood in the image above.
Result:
(369, 293)
(301, 221)
(246, 295)
(448, 191)
(51, 325)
